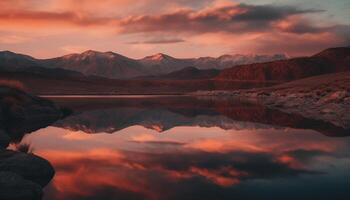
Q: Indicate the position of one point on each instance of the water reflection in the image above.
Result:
(172, 148)
(93, 115)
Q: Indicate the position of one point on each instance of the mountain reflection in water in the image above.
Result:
(188, 148)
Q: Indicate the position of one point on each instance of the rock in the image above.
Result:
(293, 95)
(23, 113)
(263, 94)
(29, 166)
(4, 140)
(347, 100)
(14, 187)
(290, 104)
(332, 108)
(335, 96)
(23, 175)
(327, 110)
(253, 95)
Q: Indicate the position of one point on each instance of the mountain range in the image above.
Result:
(44, 76)
(328, 61)
(116, 66)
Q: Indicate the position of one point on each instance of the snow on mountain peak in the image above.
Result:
(158, 57)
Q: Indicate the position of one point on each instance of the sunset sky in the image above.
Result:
(181, 28)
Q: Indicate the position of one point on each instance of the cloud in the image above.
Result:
(159, 41)
(301, 45)
(192, 26)
(300, 25)
(344, 32)
(47, 18)
(234, 19)
(269, 12)
(74, 49)
(160, 142)
(145, 174)
(13, 39)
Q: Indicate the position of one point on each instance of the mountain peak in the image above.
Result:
(7, 52)
(334, 52)
(12, 55)
(91, 53)
(158, 57)
(99, 54)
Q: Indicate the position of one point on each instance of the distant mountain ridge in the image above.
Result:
(50, 80)
(116, 66)
(19, 63)
(163, 67)
(10, 60)
(328, 61)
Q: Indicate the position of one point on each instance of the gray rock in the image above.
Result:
(14, 187)
(29, 166)
(335, 96)
(4, 140)
(23, 113)
(347, 100)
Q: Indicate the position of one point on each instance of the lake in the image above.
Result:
(182, 147)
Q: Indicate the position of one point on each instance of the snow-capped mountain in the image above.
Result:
(162, 64)
(239, 59)
(105, 64)
(225, 61)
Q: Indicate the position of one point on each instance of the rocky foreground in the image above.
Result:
(325, 97)
(23, 174)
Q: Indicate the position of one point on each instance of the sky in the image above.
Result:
(181, 28)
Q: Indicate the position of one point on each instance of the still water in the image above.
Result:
(177, 148)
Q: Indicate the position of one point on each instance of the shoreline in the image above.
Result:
(111, 95)
(325, 98)
(336, 113)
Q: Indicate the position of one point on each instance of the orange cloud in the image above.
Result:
(13, 39)
(235, 18)
(208, 26)
(224, 146)
(36, 18)
(216, 177)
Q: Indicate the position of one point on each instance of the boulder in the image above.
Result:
(335, 97)
(22, 113)
(28, 166)
(4, 140)
(14, 187)
(347, 100)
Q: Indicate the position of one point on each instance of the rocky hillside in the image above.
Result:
(328, 61)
